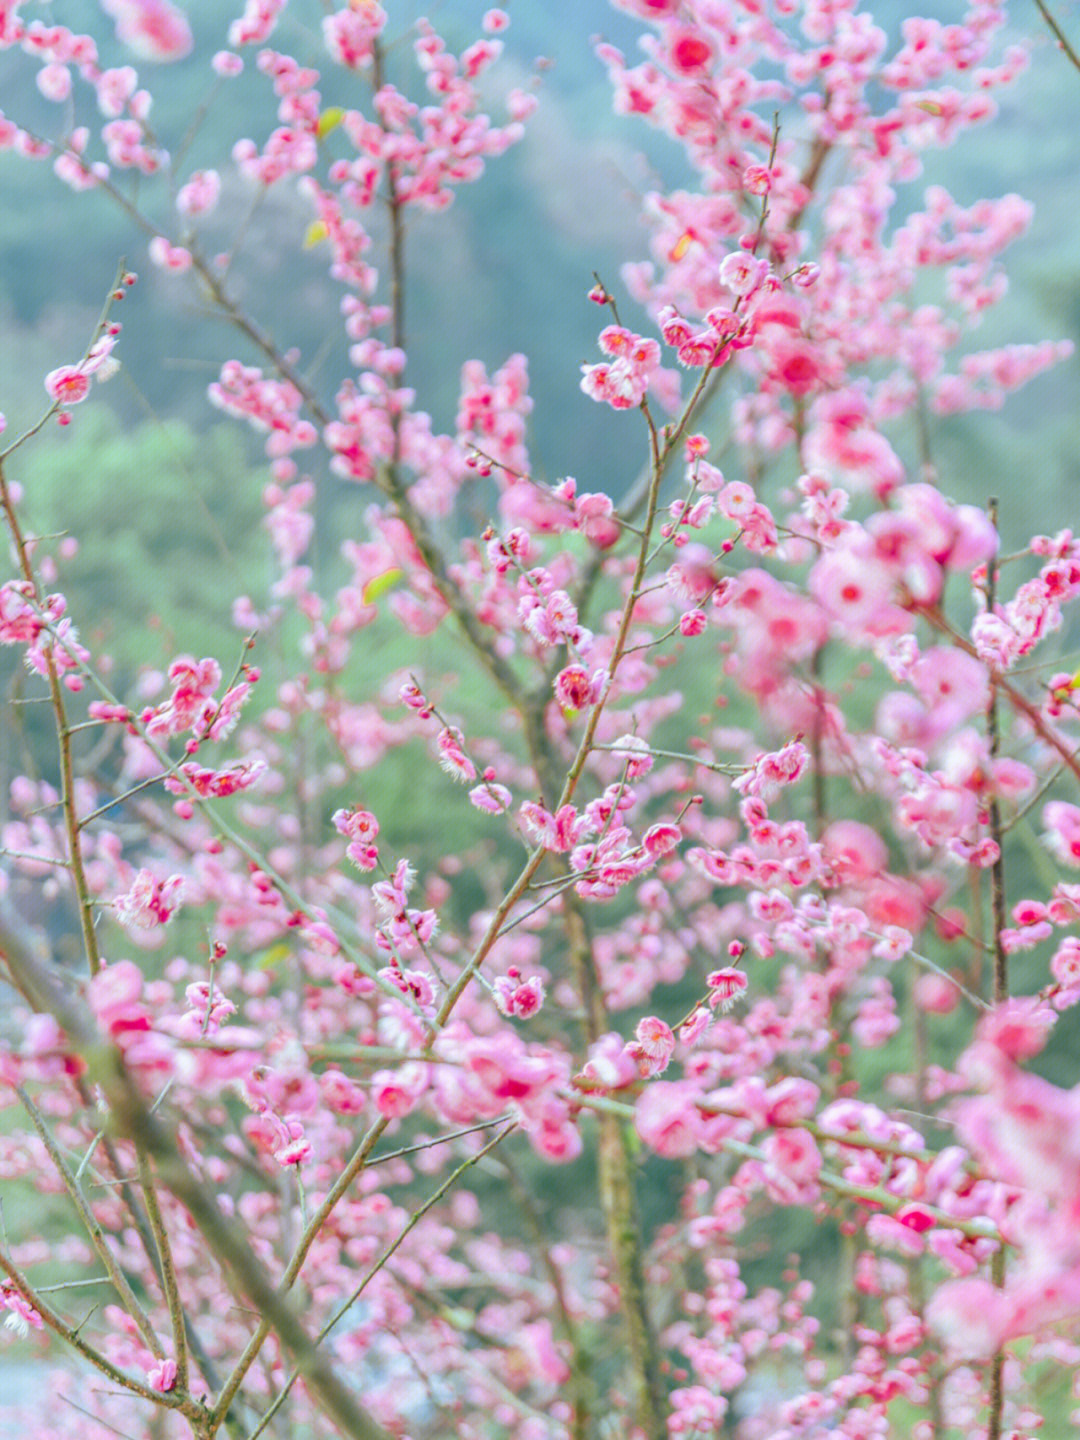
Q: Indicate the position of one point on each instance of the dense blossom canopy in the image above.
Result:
(719, 894)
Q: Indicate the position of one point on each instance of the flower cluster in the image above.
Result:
(748, 770)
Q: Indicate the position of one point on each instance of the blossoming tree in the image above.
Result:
(303, 1110)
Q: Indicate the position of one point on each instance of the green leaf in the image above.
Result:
(380, 584)
(276, 955)
(314, 234)
(329, 120)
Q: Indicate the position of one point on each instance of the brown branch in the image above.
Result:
(71, 1336)
(166, 1269)
(120, 1282)
(1001, 974)
(1059, 35)
(63, 734)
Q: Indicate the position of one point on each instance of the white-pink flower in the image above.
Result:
(68, 385)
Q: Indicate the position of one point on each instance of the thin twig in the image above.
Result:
(394, 1245)
(1059, 35)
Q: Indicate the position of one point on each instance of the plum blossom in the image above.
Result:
(725, 987)
(742, 273)
(162, 1375)
(452, 757)
(623, 381)
(150, 902)
(653, 1045)
(167, 256)
(199, 195)
(21, 1316)
(154, 29)
(668, 1119)
(793, 1162)
(491, 797)
(68, 385)
(515, 996)
(610, 1065)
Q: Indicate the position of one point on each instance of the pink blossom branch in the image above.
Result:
(1019, 702)
(71, 1336)
(875, 1195)
(223, 827)
(227, 1241)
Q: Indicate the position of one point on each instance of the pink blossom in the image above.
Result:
(695, 1026)
(575, 687)
(491, 797)
(610, 1066)
(350, 34)
(667, 1118)
(970, 1316)
(199, 195)
(396, 1092)
(653, 1045)
(854, 850)
(515, 996)
(1019, 1029)
(295, 1147)
(162, 1375)
(150, 901)
(168, 256)
(725, 987)
(757, 179)
(550, 1126)
(509, 1072)
(936, 994)
(793, 1162)
(661, 839)
(228, 781)
(736, 500)
(226, 64)
(68, 385)
(54, 82)
(690, 52)
(154, 29)
(452, 757)
(623, 382)
(257, 22)
(742, 273)
(635, 754)
(21, 1317)
(696, 1411)
(1062, 821)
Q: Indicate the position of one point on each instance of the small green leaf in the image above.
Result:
(314, 234)
(329, 120)
(276, 955)
(379, 585)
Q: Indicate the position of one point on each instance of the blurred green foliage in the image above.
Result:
(168, 524)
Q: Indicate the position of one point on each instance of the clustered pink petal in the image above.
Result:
(755, 734)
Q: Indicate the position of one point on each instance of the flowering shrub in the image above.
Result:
(481, 1135)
